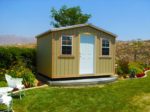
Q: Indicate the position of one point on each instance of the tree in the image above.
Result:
(68, 16)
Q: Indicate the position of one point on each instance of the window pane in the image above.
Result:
(64, 43)
(105, 43)
(66, 49)
(105, 47)
(105, 51)
(66, 40)
(69, 38)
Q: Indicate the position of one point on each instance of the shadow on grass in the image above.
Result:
(17, 95)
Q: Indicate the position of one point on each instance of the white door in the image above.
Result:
(86, 54)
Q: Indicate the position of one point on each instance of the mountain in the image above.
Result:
(16, 40)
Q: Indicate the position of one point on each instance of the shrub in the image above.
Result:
(122, 68)
(16, 61)
(136, 67)
(5, 57)
(20, 71)
(17, 70)
(2, 77)
(28, 79)
(29, 58)
(11, 55)
(119, 70)
(146, 67)
(2, 74)
(3, 84)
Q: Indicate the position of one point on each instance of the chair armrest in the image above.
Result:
(19, 86)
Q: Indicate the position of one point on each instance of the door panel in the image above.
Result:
(86, 54)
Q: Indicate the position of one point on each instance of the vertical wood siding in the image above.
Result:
(105, 65)
(65, 66)
(69, 66)
(44, 55)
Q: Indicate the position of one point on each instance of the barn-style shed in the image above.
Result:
(82, 50)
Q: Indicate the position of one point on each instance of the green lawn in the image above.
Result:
(132, 95)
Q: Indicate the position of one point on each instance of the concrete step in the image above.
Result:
(84, 81)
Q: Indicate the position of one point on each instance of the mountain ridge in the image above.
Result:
(13, 39)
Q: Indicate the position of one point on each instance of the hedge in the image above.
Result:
(11, 55)
(15, 60)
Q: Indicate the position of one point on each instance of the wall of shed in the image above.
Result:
(44, 55)
(65, 66)
(69, 66)
(105, 65)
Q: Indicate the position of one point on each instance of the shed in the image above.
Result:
(76, 51)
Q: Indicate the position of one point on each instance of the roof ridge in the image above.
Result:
(75, 26)
(71, 26)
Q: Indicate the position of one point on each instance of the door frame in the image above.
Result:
(94, 54)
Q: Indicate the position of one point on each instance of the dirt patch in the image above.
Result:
(142, 102)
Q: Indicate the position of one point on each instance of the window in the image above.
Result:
(105, 46)
(66, 45)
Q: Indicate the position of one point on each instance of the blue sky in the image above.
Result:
(129, 19)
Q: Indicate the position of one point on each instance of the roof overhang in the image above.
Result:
(76, 26)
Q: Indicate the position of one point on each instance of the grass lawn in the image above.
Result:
(132, 95)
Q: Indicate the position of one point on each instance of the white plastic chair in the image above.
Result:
(7, 100)
(19, 85)
(15, 83)
(10, 82)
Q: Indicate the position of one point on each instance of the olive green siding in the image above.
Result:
(44, 55)
(55, 65)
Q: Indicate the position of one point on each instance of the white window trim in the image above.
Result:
(67, 45)
(105, 47)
